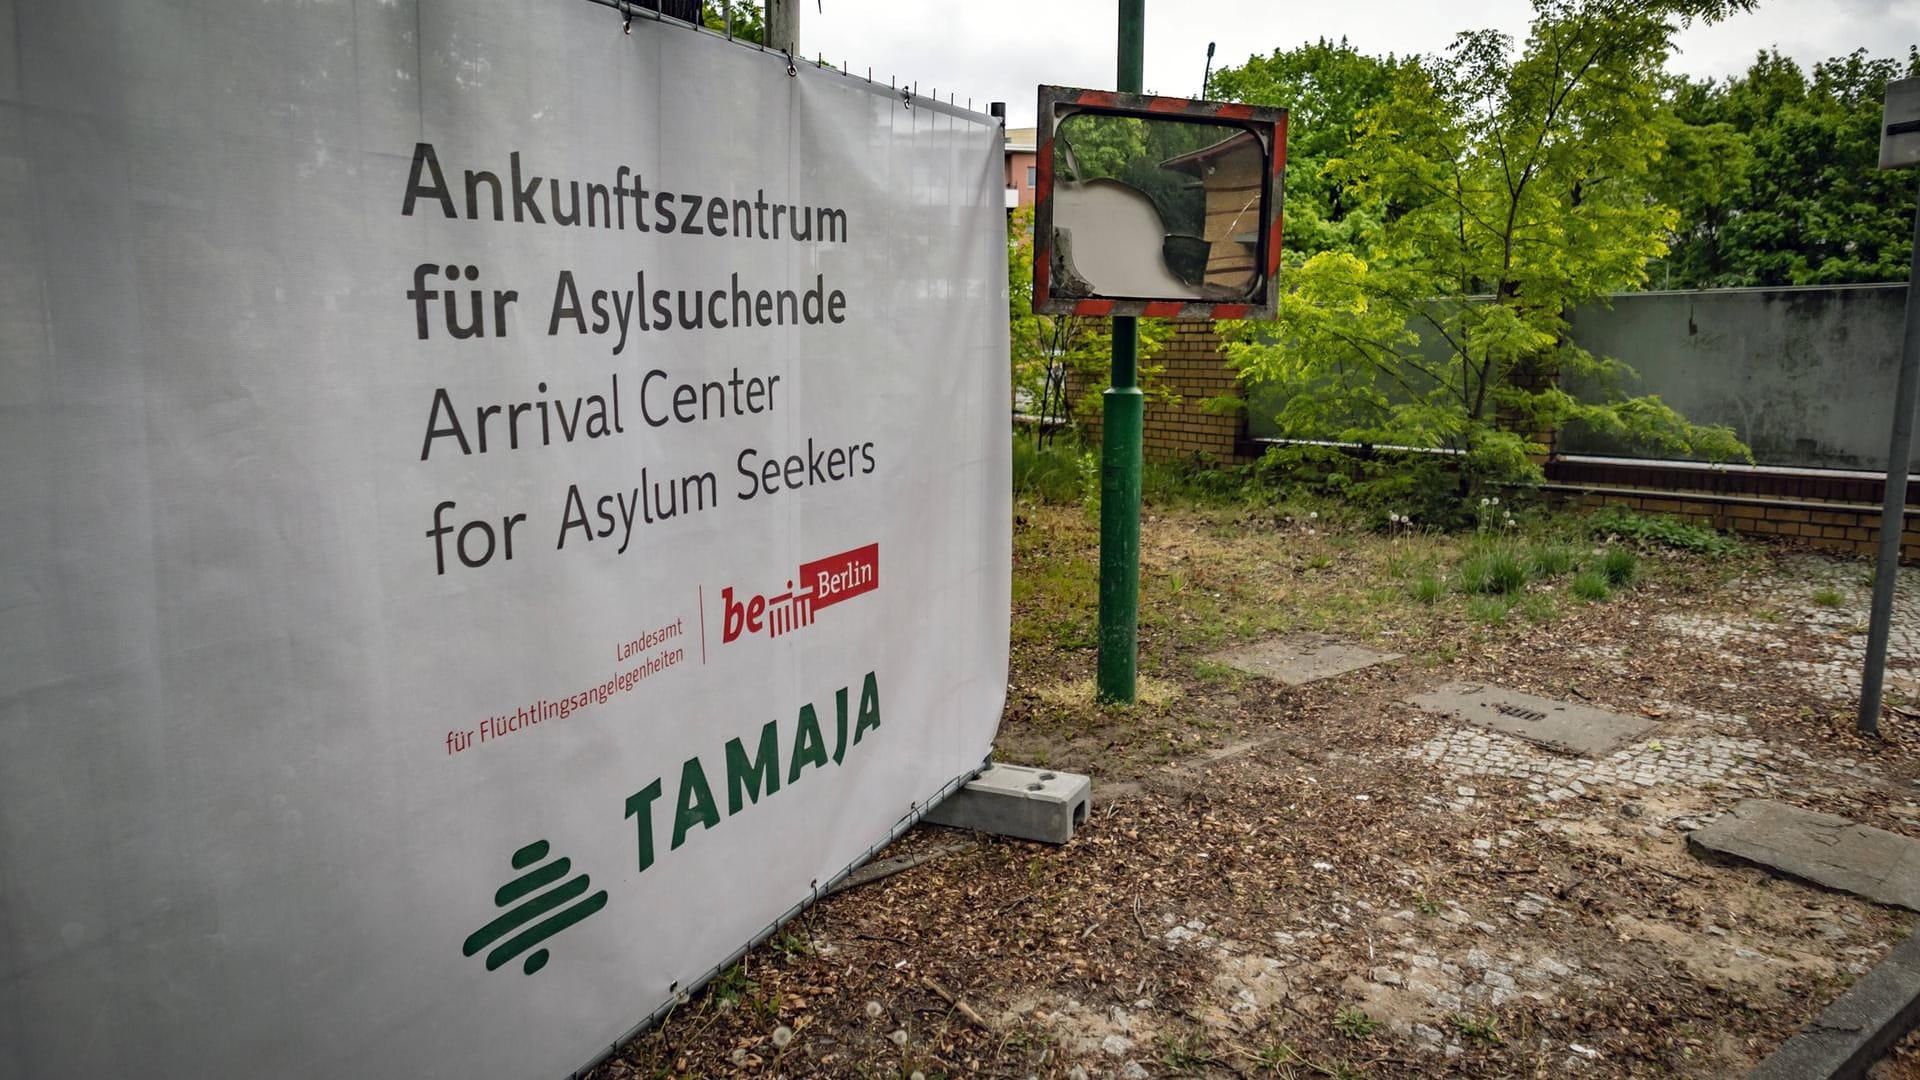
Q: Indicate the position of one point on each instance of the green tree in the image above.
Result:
(1325, 87)
(749, 19)
(1793, 194)
(1511, 190)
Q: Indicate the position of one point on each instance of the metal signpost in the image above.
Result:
(1899, 149)
(1203, 243)
(1122, 414)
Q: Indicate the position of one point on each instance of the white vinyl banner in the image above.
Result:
(497, 510)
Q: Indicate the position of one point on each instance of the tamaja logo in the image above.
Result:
(509, 924)
(818, 584)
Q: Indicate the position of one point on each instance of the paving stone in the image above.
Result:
(1301, 658)
(1827, 850)
(1560, 725)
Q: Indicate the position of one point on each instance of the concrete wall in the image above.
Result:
(1804, 375)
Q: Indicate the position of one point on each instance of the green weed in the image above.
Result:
(1354, 1023)
(1660, 531)
(1485, 1030)
(1273, 1056)
(1828, 597)
(1185, 1051)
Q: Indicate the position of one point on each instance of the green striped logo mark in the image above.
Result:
(509, 924)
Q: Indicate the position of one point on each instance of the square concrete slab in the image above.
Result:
(1557, 725)
(1301, 658)
(1832, 851)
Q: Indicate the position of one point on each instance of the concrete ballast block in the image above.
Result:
(1018, 801)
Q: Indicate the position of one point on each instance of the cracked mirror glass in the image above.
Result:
(1156, 208)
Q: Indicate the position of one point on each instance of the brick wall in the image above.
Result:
(1839, 512)
(1194, 372)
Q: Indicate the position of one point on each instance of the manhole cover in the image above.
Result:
(1560, 725)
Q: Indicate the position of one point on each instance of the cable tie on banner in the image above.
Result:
(626, 27)
(791, 70)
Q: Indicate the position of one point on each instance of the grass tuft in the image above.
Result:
(1427, 588)
(1492, 571)
(1620, 565)
(1591, 585)
(1551, 560)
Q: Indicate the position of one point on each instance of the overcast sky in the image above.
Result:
(1000, 50)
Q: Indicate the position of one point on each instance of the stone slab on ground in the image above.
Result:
(1018, 801)
(1858, 1029)
(1558, 725)
(1826, 850)
(1301, 658)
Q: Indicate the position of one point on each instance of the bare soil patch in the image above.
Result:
(1327, 881)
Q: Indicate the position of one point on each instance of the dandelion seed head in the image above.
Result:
(782, 1035)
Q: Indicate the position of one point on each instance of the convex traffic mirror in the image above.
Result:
(1164, 207)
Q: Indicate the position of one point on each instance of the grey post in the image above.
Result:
(1899, 148)
(783, 25)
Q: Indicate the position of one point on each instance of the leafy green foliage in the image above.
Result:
(749, 21)
(1419, 486)
(1325, 87)
(1776, 177)
(1510, 190)
(1659, 530)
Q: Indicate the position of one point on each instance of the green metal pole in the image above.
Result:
(1122, 409)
